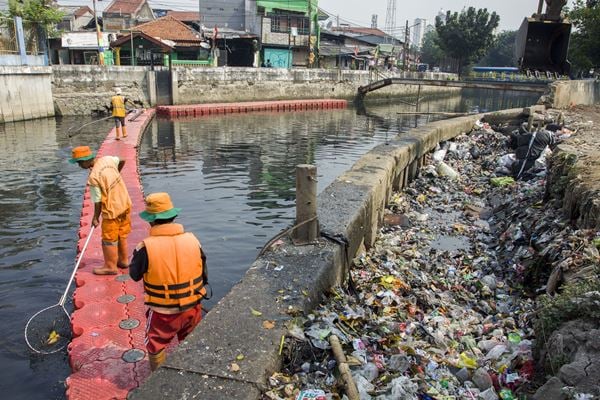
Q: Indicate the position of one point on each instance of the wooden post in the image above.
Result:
(306, 204)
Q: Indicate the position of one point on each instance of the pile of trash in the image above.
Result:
(437, 308)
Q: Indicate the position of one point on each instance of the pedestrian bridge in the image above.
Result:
(535, 86)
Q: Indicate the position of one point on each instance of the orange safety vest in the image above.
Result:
(115, 199)
(174, 276)
(118, 106)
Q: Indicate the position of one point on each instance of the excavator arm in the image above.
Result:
(543, 40)
(553, 9)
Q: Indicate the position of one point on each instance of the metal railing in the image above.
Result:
(9, 42)
(8, 36)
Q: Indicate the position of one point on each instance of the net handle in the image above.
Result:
(64, 296)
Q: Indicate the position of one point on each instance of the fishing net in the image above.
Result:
(49, 330)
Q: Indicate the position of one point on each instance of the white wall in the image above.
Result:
(25, 93)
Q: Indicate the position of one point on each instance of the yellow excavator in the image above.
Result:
(542, 42)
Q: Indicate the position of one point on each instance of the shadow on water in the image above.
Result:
(233, 176)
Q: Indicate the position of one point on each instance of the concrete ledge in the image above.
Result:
(577, 92)
(288, 279)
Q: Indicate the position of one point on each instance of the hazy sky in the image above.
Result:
(511, 12)
(359, 12)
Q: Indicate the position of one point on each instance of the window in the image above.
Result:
(303, 26)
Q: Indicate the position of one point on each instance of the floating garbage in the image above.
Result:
(430, 321)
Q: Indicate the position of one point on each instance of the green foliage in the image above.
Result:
(584, 51)
(43, 12)
(502, 52)
(568, 305)
(466, 36)
(430, 51)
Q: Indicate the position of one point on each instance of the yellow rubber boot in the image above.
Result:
(111, 256)
(118, 133)
(124, 132)
(157, 359)
(123, 255)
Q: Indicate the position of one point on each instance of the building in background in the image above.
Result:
(159, 42)
(125, 14)
(419, 30)
(289, 32)
(76, 18)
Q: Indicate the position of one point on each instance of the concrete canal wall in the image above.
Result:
(25, 93)
(569, 93)
(85, 89)
(234, 350)
(202, 85)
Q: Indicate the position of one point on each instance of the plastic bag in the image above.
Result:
(445, 170)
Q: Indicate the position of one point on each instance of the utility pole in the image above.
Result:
(309, 32)
(406, 47)
(98, 37)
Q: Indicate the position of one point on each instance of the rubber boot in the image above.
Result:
(123, 255)
(118, 133)
(124, 132)
(111, 255)
(157, 359)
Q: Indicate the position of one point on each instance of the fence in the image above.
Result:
(8, 36)
(9, 41)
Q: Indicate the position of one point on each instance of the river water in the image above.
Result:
(233, 176)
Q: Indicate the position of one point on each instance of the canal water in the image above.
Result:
(233, 176)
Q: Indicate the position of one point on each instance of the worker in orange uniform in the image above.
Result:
(173, 266)
(119, 112)
(111, 201)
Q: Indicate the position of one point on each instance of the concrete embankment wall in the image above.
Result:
(85, 89)
(25, 93)
(234, 350)
(569, 93)
(213, 85)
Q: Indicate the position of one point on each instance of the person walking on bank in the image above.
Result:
(173, 267)
(111, 201)
(119, 112)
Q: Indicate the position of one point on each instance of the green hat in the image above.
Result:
(159, 206)
(81, 153)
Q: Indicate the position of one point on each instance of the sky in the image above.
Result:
(359, 12)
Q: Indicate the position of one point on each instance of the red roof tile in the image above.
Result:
(169, 28)
(82, 10)
(184, 15)
(125, 6)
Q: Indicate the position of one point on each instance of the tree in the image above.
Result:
(502, 52)
(584, 51)
(42, 12)
(430, 51)
(466, 36)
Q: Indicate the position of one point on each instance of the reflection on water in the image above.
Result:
(40, 205)
(233, 176)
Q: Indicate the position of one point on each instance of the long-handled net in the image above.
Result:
(49, 330)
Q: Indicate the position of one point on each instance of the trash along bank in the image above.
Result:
(477, 286)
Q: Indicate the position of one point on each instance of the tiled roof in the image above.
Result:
(169, 28)
(184, 15)
(82, 10)
(125, 6)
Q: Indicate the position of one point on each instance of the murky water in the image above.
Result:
(233, 176)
